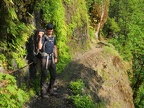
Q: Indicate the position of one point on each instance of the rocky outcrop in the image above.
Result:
(105, 76)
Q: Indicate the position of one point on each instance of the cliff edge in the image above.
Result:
(104, 74)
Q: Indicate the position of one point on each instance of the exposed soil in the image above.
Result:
(103, 75)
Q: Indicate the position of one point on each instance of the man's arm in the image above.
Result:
(55, 53)
(40, 34)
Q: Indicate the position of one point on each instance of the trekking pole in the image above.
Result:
(20, 68)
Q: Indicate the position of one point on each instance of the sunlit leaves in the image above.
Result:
(80, 99)
(11, 9)
(16, 32)
(131, 46)
(10, 95)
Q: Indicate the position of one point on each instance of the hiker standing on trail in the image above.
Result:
(48, 51)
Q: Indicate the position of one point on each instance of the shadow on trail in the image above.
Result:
(93, 83)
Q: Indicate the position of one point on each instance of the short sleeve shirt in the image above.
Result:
(48, 44)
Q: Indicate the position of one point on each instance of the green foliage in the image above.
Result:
(129, 42)
(111, 27)
(68, 2)
(35, 85)
(80, 99)
(129, 39)
(91, 2)
(10, 95)
(21, 34)
(2, 60)
(137, 80)
(139, 101)
(15, 31)
(92, 32)
(77, 86)
(125, 51)
(15, 34)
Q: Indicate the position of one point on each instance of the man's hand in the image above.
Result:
(55, 60)
(40, 34)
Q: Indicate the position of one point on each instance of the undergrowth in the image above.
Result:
(80, 100)
(10, 95)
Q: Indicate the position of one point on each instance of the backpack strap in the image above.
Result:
(47, 39)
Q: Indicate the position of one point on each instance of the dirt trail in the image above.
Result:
(104, 77)
(58, 101)
(61, 100)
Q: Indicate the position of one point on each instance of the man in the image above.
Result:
(48, 50)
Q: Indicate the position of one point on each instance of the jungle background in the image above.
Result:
(100, 46)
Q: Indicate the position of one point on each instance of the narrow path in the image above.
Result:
(61, 100)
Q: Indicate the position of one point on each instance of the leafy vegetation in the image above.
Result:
(128, 40)
(15, 35)
(10, 95)
(77, 86)
(17, 27)
(124, 29)
(80, 99)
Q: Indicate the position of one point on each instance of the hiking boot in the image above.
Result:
(51, 93)
(44, 95)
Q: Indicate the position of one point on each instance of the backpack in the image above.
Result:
(40, 54)
(47, 40)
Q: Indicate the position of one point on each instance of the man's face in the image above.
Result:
(49, 31)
